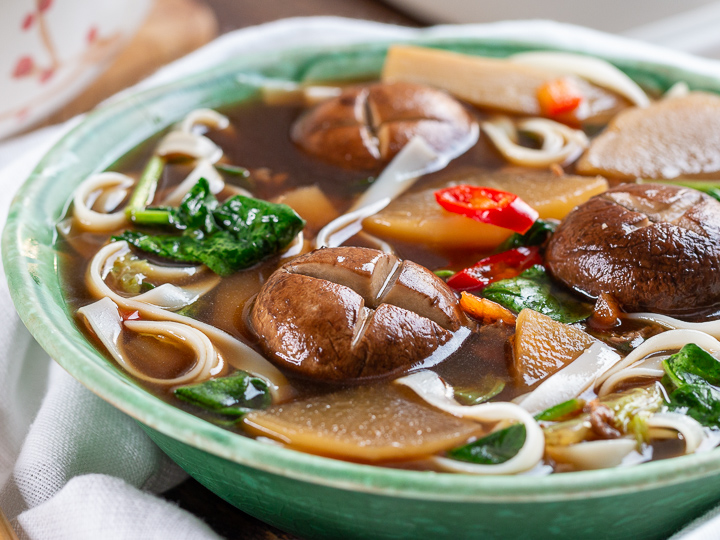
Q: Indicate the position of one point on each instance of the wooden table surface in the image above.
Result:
(224, 518)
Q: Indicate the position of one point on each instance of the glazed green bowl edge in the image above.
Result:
(31, 263)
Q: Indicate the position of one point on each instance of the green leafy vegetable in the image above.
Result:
(227, 237)
(533, 289)
(492, 449)
(630, 412)
(488, 388)
(691, 378)
(129, 272)
(692, 365)
(503, 444)
(229, 396)
(540, 231)
(444, 274)
(700, 402)
(566, 408)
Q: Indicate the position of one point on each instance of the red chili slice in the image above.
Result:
(488, 205)
(505, 265)
(559, 96)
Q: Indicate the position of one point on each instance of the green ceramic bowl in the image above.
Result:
(309, 495)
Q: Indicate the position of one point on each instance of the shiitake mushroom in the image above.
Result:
(346, 313)
(366, 126)
(653, 247)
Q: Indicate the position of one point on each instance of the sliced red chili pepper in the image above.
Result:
(505, 265)
(488, 205)
(559, 96)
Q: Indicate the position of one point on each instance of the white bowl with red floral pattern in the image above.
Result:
(51, 49)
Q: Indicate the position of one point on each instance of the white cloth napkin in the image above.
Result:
(72, 466)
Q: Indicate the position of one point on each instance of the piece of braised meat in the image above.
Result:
(365, 127)
(346, 313)
(653, 247)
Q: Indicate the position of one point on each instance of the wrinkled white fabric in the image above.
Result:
(105, 506)
(72, 466)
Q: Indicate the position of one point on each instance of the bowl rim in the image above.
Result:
(25, 270)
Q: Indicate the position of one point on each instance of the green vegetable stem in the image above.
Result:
(145, 188)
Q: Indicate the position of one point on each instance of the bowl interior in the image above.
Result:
(106, 135)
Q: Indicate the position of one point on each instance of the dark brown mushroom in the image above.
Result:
(653, 247)
(366, 127)
(347, 313)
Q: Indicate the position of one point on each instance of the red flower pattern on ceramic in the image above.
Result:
(44, 5)
(28, 21)
(24, 67)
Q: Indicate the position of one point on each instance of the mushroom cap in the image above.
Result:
(653, 247)
(365, 127)
(339, 314)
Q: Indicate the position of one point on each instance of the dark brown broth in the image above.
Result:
(259, 140)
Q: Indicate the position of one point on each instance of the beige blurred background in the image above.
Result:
(176, 27)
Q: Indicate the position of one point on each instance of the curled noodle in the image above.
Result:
(96, 221)
(104, 319)
(203, 117)
(649, 368)
(432, 389)
(203, 169)
(672, 339)
(236, 353)
(560, 144)
(184, 140)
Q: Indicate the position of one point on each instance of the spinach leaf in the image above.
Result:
(701, 402)
(691, 378)
(227, 237)
(229, 396)
(533, 289)
(540, 231)
(692, 365)
(503, 444)
(493, 449)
